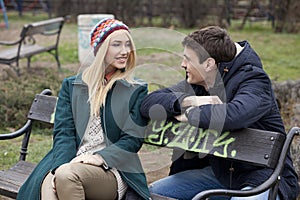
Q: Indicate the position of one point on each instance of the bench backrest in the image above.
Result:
(46, 27)
(247, 145)
(254, 146)
(43, 108)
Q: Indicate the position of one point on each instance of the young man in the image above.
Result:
(225, 89)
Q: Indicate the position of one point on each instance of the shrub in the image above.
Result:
(17, 93)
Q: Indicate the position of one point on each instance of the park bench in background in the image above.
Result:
(35, 38)
(254, 146)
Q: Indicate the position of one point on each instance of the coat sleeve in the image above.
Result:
(64, 134)
(252, 100)
(122, 153)
(165, 103)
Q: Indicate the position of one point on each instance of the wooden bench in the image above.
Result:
(257, 147)
(253, 146)
(35, 38)
(42, 109)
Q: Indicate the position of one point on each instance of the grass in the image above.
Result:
(40, 144)
(279, 54)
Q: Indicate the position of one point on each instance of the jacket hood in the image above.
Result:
(246, 57)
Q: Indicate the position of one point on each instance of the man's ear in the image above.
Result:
(211, 64)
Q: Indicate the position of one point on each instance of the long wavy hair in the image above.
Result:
(94, 75)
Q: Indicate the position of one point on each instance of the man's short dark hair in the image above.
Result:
(213, 42)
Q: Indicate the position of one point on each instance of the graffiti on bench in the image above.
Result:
(184, 136)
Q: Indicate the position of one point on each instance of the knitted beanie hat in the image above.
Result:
(103, 29)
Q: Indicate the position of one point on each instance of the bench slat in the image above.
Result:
(46, 26)
(8, 189)
(248, 145)
(26, 51)
(12, 179)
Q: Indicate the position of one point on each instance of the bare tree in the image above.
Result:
(224, 13)
(253, 4)
(194, 12)
(287, 15)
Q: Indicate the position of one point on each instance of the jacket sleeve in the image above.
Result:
(64, 134)
(165, 103)
(252, 100)
(122, 154)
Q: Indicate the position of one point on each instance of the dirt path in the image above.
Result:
(156, 162)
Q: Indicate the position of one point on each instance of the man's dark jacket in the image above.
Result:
(248, 102)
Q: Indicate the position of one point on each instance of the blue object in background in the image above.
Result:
(4, 13)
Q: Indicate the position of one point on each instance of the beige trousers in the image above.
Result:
(80, 181)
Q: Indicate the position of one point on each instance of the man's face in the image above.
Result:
(195, 71)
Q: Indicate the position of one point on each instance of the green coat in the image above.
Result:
(123, 128)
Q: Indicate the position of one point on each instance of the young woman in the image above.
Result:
(98, 128)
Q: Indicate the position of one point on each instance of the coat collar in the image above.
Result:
(78, 81)
(80, 104)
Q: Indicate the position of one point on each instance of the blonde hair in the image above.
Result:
(94, 75)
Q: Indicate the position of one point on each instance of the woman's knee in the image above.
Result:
(66, 172)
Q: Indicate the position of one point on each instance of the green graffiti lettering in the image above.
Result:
(185, 136)
(203, 134)
(192, 137)
(52, 117)
(53, 114)
(218, 142)
(180, 140)
(197, 140)
(233, 153)
(158, 133)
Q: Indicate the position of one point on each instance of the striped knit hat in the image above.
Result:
(103, 28)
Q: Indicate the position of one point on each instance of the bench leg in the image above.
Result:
(15, 68)
(57, 58)
(28, 61)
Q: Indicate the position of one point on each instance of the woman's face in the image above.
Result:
(118, 51)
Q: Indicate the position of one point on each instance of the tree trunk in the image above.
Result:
(281, 12)
(252, 5)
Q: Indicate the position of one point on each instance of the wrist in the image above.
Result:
(188, 110)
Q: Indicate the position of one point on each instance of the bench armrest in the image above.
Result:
(272, 180)
(10, 43)
(17, 133)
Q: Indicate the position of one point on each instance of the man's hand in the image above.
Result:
(95, 159)
(200, 100)
(181, 118)
(194, 101)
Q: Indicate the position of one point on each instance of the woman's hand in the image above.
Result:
(95, 159)
(53, 184)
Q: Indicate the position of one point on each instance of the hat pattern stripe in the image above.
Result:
(103, 29)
